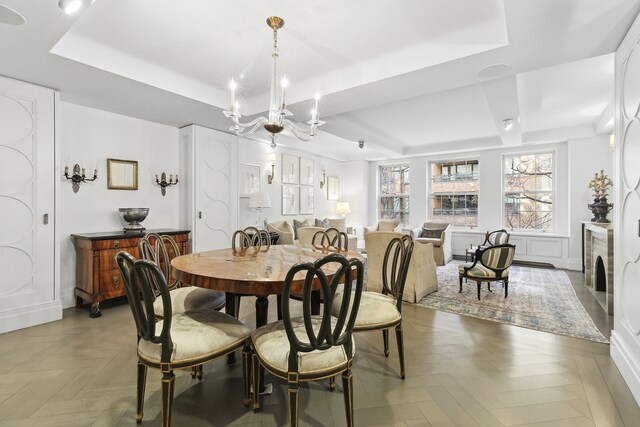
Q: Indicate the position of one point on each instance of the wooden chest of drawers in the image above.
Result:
(97, 275)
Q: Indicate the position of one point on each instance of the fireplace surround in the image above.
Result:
(598, 250)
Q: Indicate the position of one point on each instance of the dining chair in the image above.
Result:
(311, 348)
(491, 264)
(178, 340)
(153, 247)
(330, 238)
(383, 310)
(250, 237)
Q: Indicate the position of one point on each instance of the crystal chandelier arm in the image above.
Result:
(253, 123)
(256, 124)
(294, 127)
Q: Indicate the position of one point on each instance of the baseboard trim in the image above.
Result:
(626, 364)
(68, 299)
(30, 316)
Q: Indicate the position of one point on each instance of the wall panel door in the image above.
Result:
(27, 290)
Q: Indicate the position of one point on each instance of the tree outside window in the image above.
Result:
(454, 192)
(528, 198)
(394, 193)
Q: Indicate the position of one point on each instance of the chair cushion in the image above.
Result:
(435, 242)
(272, 345)
(197, 335)
(339, 224)
(190, 298)
(432, 233)
(480, 271)
(375, 310)
(324, 223)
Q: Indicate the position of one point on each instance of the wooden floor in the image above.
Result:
(460, 371)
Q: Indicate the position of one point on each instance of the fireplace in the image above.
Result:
(598, 250)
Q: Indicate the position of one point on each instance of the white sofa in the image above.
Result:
(441, 243)
(284, 228)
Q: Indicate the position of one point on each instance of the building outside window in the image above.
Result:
(394, 193)
(454, 192)
(528, 186)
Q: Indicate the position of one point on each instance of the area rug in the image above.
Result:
(540, 299)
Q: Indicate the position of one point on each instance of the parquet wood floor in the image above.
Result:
(460, 371)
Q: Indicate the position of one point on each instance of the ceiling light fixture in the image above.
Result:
(277, 119)
(508, 124)
(70, 6)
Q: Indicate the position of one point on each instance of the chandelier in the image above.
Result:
(277, 119)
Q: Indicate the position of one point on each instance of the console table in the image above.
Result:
(97, 275)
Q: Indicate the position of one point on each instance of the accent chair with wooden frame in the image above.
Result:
(383, 310)
(494, 238)
(185, 339)
(311, 348)
(490, 265)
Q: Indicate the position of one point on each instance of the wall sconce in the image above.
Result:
(324, 178)
(272, 160)
(163, 183)
(77, 177)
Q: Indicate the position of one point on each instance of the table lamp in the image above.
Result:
(343, 208)
(258, 201)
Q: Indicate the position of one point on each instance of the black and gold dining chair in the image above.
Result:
(153, 247)
(311, 348)
(178, 340)
(491, 264)
(383, 310)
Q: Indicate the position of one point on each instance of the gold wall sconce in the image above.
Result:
(272, 161)
(163, 183)
(324, 178)
(77, 177)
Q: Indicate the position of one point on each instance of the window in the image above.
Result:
(394, 193)
(454, 192)
(528, 187)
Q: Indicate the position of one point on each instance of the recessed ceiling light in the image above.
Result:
(494, 70)
(508, 124)
(10, 16)
(70, 6)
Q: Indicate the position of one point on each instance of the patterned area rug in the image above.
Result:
(538, 299)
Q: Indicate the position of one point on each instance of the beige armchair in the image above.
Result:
(421, 278)
(439, 235)
(305, 235)
(383, 225)
(340, 224)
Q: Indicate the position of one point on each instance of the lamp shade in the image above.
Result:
(259, 199)
(343, 208)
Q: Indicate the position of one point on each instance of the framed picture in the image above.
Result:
(290, 165)
(306, 200)
(290, 199)
(306, 171)
(333, 188)
(122, 174)
(249, 179)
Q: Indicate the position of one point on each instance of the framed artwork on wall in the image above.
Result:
(249, 179)
(290, 197)
(306, 200)
(290, 169)
(306, 171)
(333, 188)
(122, 174)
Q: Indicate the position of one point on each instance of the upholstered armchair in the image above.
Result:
(305, 235)
(439, 235)
(383, 225)
(340, 224)
(421, 277)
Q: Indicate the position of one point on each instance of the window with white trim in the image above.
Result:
(394, 192)
(454, 192)
(528, 192)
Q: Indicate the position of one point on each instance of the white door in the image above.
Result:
(214, 189)
(26, 198)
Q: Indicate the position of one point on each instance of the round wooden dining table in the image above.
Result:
(250, 272)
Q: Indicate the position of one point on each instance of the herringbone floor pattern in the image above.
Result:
(460, 371)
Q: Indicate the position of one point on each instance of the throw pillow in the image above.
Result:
(432, 233)
(299, 224)
(324, 223)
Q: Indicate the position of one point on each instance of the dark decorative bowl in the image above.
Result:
(134, 216)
